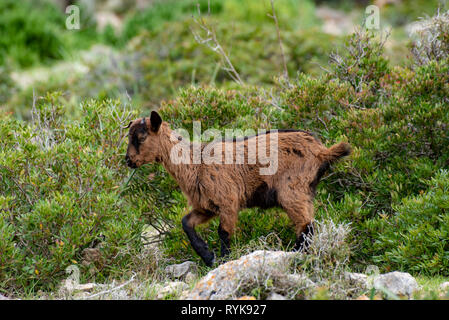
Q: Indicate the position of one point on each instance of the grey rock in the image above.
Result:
(298, 280)
(358, 279)
(181, 270)
(189, 277)
(276, 296)
(172, 287)
(398, 283)
(223, 282)
(444, 286)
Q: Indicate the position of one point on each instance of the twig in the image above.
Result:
(212, 42)
(111, 290)
(321, 120)
(274, 17)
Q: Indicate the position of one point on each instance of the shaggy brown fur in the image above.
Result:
(222, 190)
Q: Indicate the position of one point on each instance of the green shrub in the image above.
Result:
(416, 237)
(403, 12)
(362, 65)
(159, 13)
(432, 41)
(34, 32)
(61, 193)
(171, 58)
(291, 14)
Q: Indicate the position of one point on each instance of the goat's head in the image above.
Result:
(144, 145)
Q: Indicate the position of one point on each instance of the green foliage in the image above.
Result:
(402, 12)
(416, 236)
(363, 65)
(31, 34)
(291, 14)
(159, 13)
(61, 193)
(7, 86)
(170, 58)
(34, 31)
(156, 64)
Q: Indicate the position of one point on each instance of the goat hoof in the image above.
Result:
(210, 261)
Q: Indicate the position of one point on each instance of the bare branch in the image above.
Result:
(212, 42)
(274, 17)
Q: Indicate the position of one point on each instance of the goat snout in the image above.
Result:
(130, 163)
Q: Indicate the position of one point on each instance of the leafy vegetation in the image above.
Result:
(61, 193)
(65, 189)
(34, 32)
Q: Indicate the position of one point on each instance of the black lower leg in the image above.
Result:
(224, 240)
(304, 239)
(198, 244)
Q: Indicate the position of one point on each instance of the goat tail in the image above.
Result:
(335, 152)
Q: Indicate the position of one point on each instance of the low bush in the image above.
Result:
(415, 238)
(291, 14)
(60, 193)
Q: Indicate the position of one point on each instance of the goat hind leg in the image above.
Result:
(303, 240)
(189, 222)
(299, 208)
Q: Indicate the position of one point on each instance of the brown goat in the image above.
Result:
(224, 189)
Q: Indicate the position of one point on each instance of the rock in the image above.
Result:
(276, 296)
(297, 280)
(181, 270)
(398, 283)
(224, 281)
(247, 298)
(444, 286)
(190, 277)
(91, 255)
(335, 22)
(358, 279)
(69, 287)
(2, 297)
(148, 237)
(172, 287)
(105, 18)
(86, 286)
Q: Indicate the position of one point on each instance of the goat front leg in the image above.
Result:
(189, 222)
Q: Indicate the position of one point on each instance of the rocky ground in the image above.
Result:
(231, 280)
(322, 273)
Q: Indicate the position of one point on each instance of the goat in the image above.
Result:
(222, 190)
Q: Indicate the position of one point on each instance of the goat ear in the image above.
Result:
(155, 120)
